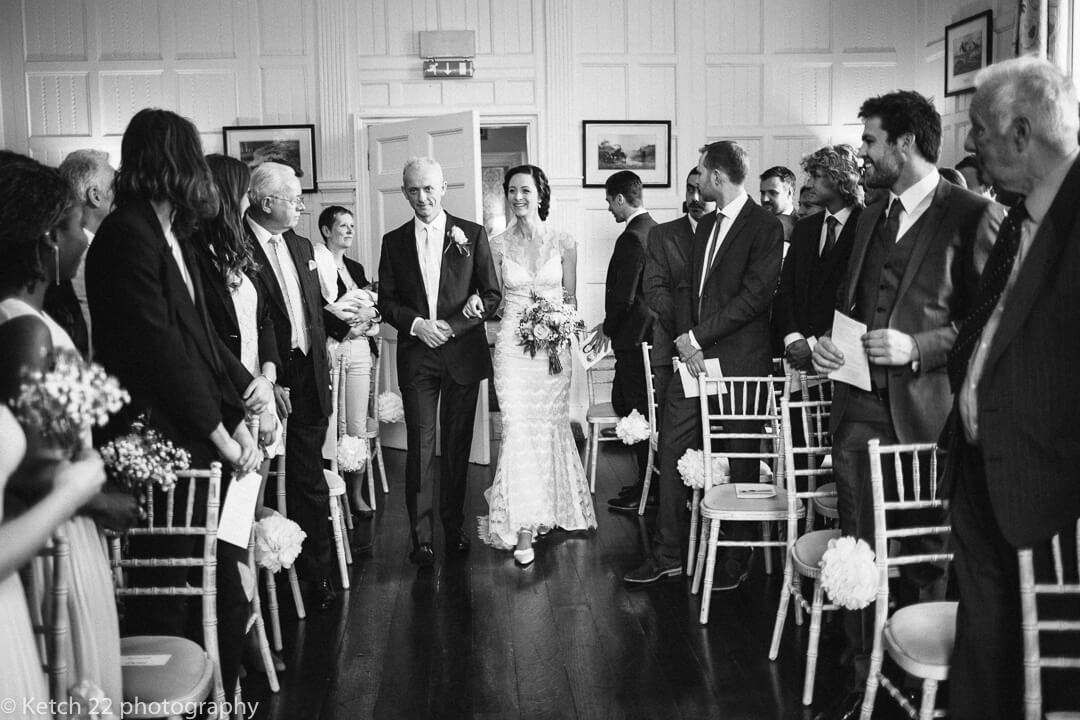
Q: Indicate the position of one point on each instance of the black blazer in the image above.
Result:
(806, 298)
(668, 253)
(627, 317)
(335, 326)
(219, 306)
(402, 299)
(303, 257)
(1029, 418)
(157, 342)
(730, 318)
(929, 301)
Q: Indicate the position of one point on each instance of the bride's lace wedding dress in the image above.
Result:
(539, 481)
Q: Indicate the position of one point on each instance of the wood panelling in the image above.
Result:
(734, 27)
(53, 29)
(204, 30)
(123, 94)
(128, 29)
(57, 104)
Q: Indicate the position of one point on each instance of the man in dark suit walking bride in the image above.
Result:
(428, 269)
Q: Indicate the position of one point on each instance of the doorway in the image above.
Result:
(501, 148)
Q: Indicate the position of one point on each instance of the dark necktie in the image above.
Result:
(994, 278)
(891, 226)
(830, 234)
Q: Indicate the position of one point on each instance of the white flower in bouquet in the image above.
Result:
(391, 408)
(278, 541)
(541, 332)
(352, 453)
(632, 429)
(691, 467)
(848, 573)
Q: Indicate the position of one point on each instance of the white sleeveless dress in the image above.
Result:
(539, 481)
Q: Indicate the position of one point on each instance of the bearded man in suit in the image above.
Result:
(429, 268)
(722, 312)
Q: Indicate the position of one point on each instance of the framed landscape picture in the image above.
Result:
(292, 145)
(968, 49)
(609, 146)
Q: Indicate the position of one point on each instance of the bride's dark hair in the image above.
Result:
(542, 186)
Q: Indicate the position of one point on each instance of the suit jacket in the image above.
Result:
(335, 326)
(267, 285)
(627, 318)
(403, 299)
(1028, 415)
(222, 311)
(730, 315)
(667, 260)
(62, 305)
(154, 339)
(788, 221)
(808, 284)
(931, 297)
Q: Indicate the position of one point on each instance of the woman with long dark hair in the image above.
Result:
(152, 331)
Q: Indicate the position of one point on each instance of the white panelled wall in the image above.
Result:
(781, 76)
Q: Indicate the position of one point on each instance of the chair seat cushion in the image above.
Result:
(827, 505)
(920, 638)
(186, 677)
(807, 551)
(602, 412)
(721, 503)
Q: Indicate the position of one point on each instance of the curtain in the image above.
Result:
(1029, 40)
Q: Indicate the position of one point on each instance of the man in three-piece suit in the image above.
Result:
(429, 268)
(904, 280)
(816, 262)
(1014, 432)
(289, 277)
(628, 320)
(721, 311)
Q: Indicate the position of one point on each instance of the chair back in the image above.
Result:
(376, 380)
(811, 410)
(650, 392)
(600, 378)
(1065, 585)
(47, 601)
(749, 399)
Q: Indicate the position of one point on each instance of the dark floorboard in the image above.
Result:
(477, 637)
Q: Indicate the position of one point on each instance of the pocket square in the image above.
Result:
(311, 265)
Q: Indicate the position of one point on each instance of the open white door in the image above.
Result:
(453, 140)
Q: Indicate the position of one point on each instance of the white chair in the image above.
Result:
(47, 602)
(601, 414)
(804, 551)
(372, 431)
(749, 399)
(919, 637)
(338, 536)
(1033, 625)
(270, 581)
(191, 673)
(255, 620)
(654, 429)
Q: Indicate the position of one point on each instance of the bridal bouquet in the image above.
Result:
(848, 573)
(549, 326)
(278, 541)
(64, 402)
(138, 461)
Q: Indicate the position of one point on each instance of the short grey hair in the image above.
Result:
(84, 169)
(415, 163)
(1034, 89)
(268, 179)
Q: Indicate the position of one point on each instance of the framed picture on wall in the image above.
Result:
(609, 146)
(968, 49)
(292, 145)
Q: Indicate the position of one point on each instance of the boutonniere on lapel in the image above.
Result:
(457, 240)
(311, 265)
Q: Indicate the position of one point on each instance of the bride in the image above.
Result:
(539, 481)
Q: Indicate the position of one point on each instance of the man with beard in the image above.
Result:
(903, 280)
(667, 257)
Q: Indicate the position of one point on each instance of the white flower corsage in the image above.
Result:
(458, 240)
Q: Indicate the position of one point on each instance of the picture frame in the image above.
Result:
(292, 145)
(969, 47)
(643, 146)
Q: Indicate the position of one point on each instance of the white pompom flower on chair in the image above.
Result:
(352, 453)
(632, 429)
(390, 407)
(278, 541)
(848, 573)
(691, 467)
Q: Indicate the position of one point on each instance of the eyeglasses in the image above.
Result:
(297, 202)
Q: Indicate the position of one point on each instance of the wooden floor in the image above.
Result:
(478, 637)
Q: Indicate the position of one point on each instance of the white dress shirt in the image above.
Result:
(285, 272)
(178, 256)
(916, 201)
(429, 246)
(842, 215)
(725, 218)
